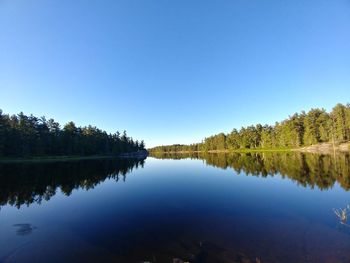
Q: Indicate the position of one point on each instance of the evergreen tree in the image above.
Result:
(300, 129)
(22, 135)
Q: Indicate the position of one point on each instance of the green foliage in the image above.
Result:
(341, 122)
(317, 127)
(22, 135)
(300, 129)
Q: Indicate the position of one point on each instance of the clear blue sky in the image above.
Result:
(173, 71)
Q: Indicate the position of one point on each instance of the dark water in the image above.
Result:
(199, 208)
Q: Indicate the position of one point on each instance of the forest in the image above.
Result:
(298, 130)
(27, 136)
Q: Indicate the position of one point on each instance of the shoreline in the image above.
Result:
(326, 148)
(322, 148)
(53, 158)
(37, 159)
(232, 151)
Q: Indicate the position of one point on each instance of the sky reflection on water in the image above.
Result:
(168, 209)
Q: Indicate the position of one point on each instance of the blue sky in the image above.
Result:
(173, 71)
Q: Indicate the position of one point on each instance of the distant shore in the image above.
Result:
(227, 151)
(322, 148)
(231, 151)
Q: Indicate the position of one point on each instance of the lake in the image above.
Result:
(258, 207)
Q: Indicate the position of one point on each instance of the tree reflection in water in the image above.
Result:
(308, 170)
(27, 183)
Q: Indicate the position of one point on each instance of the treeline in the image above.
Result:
(300, 129)
(22, 135)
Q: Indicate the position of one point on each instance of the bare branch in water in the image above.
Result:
(342, 214)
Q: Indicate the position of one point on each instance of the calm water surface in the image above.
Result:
(199, 208)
